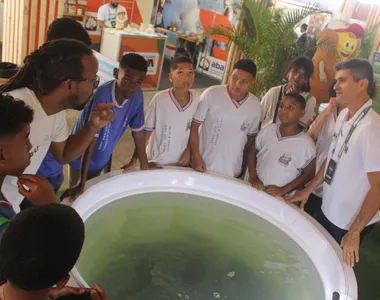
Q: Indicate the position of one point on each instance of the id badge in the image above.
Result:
(330, 171)
(113, 24)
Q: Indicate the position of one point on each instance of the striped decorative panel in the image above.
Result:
(25, 26)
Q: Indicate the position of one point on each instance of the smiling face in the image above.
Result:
(347, 44)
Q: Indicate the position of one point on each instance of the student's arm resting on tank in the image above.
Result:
(304, 194)
(74, 192)
(69, 150)
(306, 175)
(198, 163)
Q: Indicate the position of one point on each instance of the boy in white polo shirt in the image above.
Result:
(168, 122)
(285, 154)
(298, 76)
(228, 117)
(351, 189)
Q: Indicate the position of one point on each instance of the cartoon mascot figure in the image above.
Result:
(340, 44)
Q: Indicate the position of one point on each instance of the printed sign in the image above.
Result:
(211, 66)
(106, 67)
(376, 66)
(152, 60)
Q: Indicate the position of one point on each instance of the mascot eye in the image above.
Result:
(352, 46)
(347, 44)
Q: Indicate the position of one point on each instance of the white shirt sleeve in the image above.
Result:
(60, 131)
(267, 103)
(125, 11)
(371, 148)
(309, 155)
(102, 14)
(309, 116)
(203, 107)
(150, 119)
(253, 128)
(259, 139)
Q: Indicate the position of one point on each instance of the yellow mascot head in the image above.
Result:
(348, 41)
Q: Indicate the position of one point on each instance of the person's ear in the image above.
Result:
(170, 76)
(116, 73)
(252, 83)
(62, 283)
(363, 84)
(69, 84)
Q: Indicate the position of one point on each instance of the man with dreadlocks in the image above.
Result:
(59, 75)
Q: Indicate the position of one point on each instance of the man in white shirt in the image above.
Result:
(107, 14)
(298, 76)
(351, 189)
(59, 75)
(229, 118)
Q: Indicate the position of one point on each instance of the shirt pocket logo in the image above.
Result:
(244, 126)
(285, 159)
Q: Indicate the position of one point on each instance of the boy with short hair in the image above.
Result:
(285, 154)
(228, 117)
(169, 118)
(42, 257)
(15, 120)
(127, 97)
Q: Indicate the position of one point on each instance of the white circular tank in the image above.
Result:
(178, 234)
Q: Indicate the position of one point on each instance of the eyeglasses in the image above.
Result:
(95, 81)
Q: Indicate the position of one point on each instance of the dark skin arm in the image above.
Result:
(74, 192)
(69, 150)
(299, 182)
(249, 161)
(304, 194)
(199, 164)
(140, 138)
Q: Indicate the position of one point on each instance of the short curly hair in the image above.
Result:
(14, 115)
(67, 28)
(40, 246)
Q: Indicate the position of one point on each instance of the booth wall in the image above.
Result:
(25, 23)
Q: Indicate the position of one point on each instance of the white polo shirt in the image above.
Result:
(226, 124)
(170, 124)
(280, 160)
(43, 130)
(269, 104)
(323, 145)
(108, 14)
(343, 199)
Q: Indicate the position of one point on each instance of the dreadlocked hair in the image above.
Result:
(47, 67)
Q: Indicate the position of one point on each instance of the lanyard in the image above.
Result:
(352, 129)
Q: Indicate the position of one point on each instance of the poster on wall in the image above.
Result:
(152, 60)
(211, 66)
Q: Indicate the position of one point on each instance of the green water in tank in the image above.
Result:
(179, 246)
